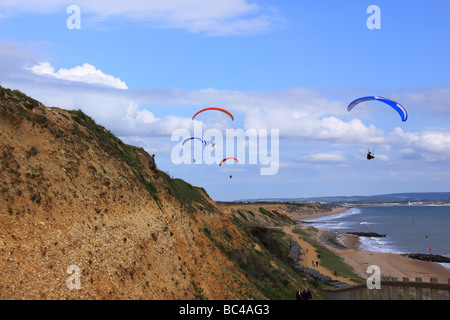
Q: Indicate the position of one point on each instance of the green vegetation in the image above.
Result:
(269, 267)
(242, 215)
(32, 152)
(273, 240)
(85, 128)
(269, 270)
(306, 233)
(19, 103)
(186, 194)
(331, 261)
(300, 232)
(114, 147)
(207, 232)
(218, 238)
(57, 132)
(279, 218)
(328, 258)
(198, 292)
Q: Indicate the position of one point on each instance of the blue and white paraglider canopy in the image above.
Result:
(394, 104)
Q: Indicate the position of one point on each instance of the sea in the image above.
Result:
(408, 229)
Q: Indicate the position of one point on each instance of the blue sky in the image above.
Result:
(142, 69)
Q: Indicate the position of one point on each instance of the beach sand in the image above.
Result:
(391, 265)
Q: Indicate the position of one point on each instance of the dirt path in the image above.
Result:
(306, 258)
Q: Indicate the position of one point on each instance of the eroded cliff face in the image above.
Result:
(72, 194)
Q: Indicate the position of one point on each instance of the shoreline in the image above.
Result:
(392, 265)
(303, 216)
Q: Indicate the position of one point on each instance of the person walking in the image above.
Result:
(298, 294)
(306, 294)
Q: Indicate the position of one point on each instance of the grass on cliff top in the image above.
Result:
(19, 103)
(114, 147)
(186, 194)
(276, 216)
(17, 97)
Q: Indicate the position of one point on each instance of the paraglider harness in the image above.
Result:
(370, 155)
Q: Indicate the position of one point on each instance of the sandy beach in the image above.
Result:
(391, 265)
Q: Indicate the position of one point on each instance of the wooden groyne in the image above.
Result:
(393, 289)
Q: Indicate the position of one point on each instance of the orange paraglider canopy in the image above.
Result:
(214, 108)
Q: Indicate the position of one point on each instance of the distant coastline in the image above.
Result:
(348, 246)
(391, 264)
(395, 204)
(425, 198)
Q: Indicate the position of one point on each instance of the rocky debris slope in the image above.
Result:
(72, 194)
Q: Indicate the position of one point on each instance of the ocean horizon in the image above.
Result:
(408, 229)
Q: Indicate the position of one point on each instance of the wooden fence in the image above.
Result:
(393, 289)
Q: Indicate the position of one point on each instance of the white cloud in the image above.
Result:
(298, 114)
(435, 141)
(428, 145)
(322, 158)
(433, 101)
(304, 115)
(218, 17)
(146, 116)
(382, 157)
(86, 73)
